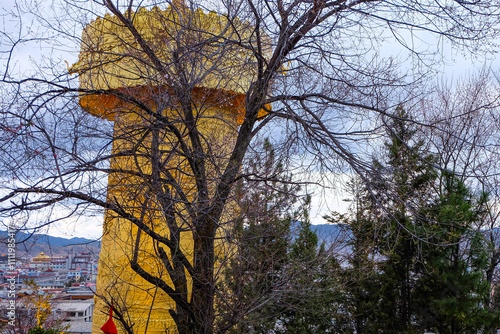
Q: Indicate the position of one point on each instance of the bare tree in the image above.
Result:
(465, 141)
(187, 92)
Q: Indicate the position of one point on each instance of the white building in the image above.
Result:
(75, 310)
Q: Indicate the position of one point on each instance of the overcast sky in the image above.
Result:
(37, 48)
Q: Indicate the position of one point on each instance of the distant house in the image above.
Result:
(52, 286)
(78, 292)
(82, 260)
(75, 310)
(76, 273)
(77, 315)
(4, 290)
(40, 278)
(27, 269)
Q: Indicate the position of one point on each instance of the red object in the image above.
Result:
(109, 327)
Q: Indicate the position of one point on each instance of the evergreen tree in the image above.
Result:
(409, 183)
(261, 239)
(278, 268)
(452, 292)
(304, 293)
(417, 262)
(381, 276)
(361, 279)
(310, 301)
(411, 179)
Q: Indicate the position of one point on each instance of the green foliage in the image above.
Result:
(406, 185)
(279, 268)
(309, 303)
(452, 291)
(296, 279)
(418, 263)
(305, 246)
(361, 279)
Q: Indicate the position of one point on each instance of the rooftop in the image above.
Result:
(73, 306)
(78, 327)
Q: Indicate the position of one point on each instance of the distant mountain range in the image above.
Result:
(327, 233)
(331, 231)
(33, 244)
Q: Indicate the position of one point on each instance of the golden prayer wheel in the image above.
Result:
(114, 73)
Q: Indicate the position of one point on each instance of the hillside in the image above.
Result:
(33, 244)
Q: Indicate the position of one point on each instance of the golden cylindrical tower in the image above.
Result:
(120, 82)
